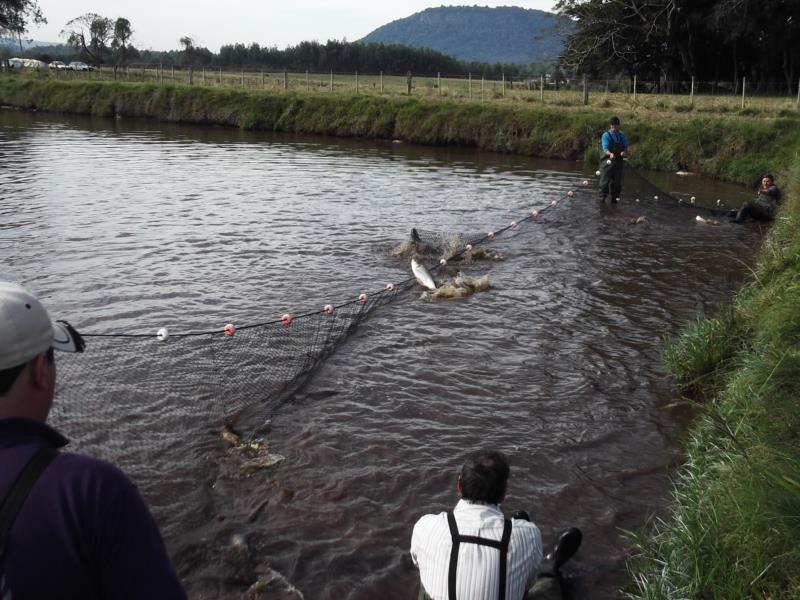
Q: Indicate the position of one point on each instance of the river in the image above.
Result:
(127, 226)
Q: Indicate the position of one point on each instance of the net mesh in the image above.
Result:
(141, 402)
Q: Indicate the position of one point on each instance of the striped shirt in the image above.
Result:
(478, 566)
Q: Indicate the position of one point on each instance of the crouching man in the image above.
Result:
(474, 552)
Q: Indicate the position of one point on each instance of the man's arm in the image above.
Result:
(605, 142)
(772, 191)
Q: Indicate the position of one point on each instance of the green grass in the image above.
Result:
(446, 89)
(735, 523)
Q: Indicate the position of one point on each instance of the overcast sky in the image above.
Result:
(159, 24)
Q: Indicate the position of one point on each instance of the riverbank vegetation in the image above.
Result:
(736, 518)
(735, 524)
(734, 147)
(612, 95)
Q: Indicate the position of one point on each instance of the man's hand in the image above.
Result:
(611, 155)
(622, 154)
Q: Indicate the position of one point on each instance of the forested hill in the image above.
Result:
(474, 33)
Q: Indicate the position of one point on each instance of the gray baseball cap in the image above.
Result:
(26, 329)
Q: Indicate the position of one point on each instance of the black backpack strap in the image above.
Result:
(18, 493)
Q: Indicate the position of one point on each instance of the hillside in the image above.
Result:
(474, 33)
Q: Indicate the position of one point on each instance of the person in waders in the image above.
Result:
(763, 207)
(473, 552)
(615, 148)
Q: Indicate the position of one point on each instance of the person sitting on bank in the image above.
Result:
(764, 205)
(71, 526)
(473, 552)
(615, 148)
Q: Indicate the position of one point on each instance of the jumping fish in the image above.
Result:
(422, 275)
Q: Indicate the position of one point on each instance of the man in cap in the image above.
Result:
(615, 148)
(71, 526)
(473, 552)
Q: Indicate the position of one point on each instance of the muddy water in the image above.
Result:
(124, 226)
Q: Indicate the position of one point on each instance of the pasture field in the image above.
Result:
(709, 98)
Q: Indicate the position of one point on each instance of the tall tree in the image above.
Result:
(15, 15)
(122, 37)
(618, 35)
(188, 49)
(98, 29)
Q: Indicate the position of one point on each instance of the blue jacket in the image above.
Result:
(609, 137)
(84, 531)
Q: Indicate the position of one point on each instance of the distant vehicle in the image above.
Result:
(26, 63)
(57, 64)
(78, 66)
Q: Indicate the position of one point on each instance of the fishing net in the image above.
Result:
(650, 194)
(143, 401)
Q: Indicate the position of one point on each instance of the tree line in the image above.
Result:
(97, 39)
(712, 40)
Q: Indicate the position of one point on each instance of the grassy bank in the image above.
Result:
(734, 148)
(736, 522)
(709, 98)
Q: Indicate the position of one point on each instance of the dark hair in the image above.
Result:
(9, 376)
(614, 120)
(484, 477)
(768, 176)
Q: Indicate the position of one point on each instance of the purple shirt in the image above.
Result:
(84, 531)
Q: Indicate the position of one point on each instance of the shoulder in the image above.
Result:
(527, 529)
(93, 481)
(87, 468)
(430, 522)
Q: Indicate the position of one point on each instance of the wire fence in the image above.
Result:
(678, 96)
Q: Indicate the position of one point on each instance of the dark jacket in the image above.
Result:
(84, 531)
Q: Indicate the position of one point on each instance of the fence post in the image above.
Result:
(634, 87)
(797, 102)
(285, 80)
(331, 79)
(220, 75)
(190, 75)
(408, 82)
(308, 82)
(691, 93)
(541, 88)
(262, 79)
(172, 73)
(504, 85)
(381, 82)
(744, 84)
(469, 85)
(439, 82)
(482, 82)
(356, 82)
(204, 75)
(586, 91)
